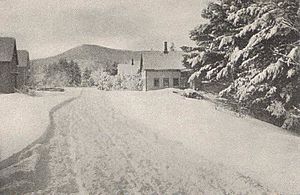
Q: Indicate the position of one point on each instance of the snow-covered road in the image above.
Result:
(137, 143)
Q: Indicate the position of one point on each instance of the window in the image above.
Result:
(166, 82)
(176, 82)
(156, 82)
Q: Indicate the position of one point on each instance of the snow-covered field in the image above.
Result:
(25, 118)
(258, 149)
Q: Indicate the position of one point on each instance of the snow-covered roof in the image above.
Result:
(23, 58)
(7, 46)
(161, 61)
(128, 69)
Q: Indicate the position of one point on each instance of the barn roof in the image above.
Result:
(7, 46)
(23, 58)
(161, 61)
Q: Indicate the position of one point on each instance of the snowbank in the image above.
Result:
(24, 118)
(255, 148)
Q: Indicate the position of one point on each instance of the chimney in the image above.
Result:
(166, 48)
(141, 64)
(132, 61)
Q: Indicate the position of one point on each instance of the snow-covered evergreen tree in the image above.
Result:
(254, 47)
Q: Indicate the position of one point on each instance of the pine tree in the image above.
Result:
(75, 74)
(87, 81)
(63, 73)
(114, 69)
(254, 47)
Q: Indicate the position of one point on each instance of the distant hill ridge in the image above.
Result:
(93, 56)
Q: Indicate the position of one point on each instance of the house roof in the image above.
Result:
(23, 58)
(7, 46)
(161, 61)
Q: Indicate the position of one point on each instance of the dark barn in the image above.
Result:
(8, 65)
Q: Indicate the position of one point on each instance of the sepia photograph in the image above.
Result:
(149, 97)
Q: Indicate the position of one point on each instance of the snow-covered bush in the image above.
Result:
(131, 82)
(292, 121)
(190, 93)
(104, 81)
(254, 47)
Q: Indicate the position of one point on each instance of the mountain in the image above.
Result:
(92, 56)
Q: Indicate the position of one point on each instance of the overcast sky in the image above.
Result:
(49, 27)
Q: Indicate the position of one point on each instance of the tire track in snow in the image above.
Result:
(60, 145)
(44, 138)
(16, 165)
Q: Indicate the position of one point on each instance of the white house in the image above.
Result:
(163, 70)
